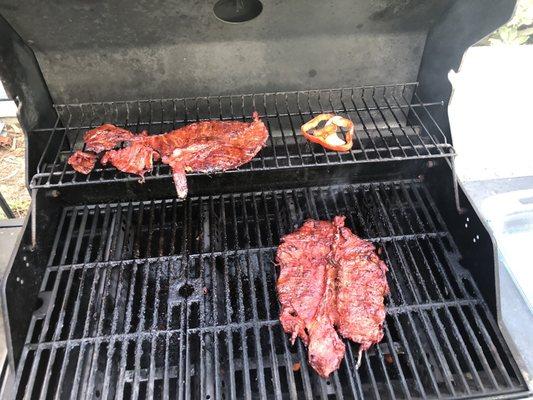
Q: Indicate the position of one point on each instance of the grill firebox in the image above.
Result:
(176, 298)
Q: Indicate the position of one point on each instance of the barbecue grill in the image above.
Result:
(120, 290)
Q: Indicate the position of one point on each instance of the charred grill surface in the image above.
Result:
(169, 298)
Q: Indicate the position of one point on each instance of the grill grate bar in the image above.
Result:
(218, 383)
(384, 119)
(475, 290)
(204, 365)
(267, 302)
(440, 296)
(229, 310)
(372, 120)
(177, 257)
(231, 116)
(450, 289)
(238, 266)
(234, 326)
(254, 301)
(290, 371)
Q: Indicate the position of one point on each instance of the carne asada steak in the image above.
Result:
(206, 146)
(209, 146)
(82, 162)
(106, 137)
(330, 278)
(306, 291)
(361, 287)
(134, 159)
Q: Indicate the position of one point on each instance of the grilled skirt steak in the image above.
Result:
(83, 162)
(106, 137)
(330, 278)
(361, 286)
(206, 146)
(134, 159)
(209, 146)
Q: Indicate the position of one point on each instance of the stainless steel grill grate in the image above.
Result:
(172, 299)
(392, 123)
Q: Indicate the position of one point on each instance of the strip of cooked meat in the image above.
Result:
(82, 161)
(330, 278)
(361, 286)
(208, 146)
(134, 159)
(306, 292)
(106, 137)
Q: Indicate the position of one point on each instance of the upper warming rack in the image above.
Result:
(391, 123)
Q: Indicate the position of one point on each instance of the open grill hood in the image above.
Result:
(107, 51)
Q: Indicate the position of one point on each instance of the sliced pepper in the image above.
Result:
(327, 135)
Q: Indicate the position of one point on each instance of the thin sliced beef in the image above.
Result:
(106, 137)
(330, 278)
(306, 291)
(82, 162)
(135, 159)
(207, 146)
(361, 286)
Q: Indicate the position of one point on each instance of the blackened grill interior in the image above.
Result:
(170, 298)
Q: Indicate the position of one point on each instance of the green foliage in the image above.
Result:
(519, 30)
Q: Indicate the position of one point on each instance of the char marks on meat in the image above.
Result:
(135, 159)
(82, 162)
(330, 279)
(206, 146)
(361, 286)
(209, 146)
(106, 137)
(306, 291)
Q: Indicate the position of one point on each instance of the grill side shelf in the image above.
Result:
(167, 297)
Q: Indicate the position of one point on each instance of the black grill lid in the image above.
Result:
(102, 51)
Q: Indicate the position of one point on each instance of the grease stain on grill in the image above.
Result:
(186, 290)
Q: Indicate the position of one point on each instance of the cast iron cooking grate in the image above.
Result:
(392, 123)
(176, 299)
